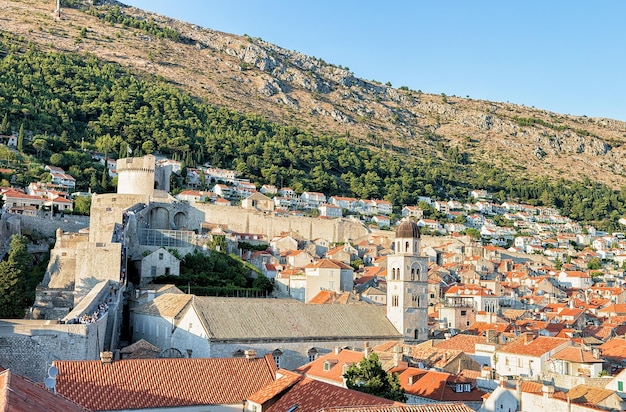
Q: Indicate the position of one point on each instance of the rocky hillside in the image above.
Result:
(250, 75)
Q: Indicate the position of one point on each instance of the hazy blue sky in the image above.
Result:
(564, 56)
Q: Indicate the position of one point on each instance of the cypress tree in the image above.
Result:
(20, 138)
(5, 126)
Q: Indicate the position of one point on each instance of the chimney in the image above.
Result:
(548, 391)
(366, 350)
(250, 354)
(106, 357)
(528, 337)
(337, 350)
(411, 379)
(397, 354)
(490, 334)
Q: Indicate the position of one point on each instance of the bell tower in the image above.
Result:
(407, 284)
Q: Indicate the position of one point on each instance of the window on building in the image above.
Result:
(620, 385)
(277, 355)
(463, 313)
(160, 256)
(312, 354)
(394, 300)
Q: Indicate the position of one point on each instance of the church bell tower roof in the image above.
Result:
(408, 229)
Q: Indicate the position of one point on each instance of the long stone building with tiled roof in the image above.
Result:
(293, 332)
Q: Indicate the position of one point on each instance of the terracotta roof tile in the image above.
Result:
(329, 367)
(436, 386)
(577, 355)
(18, 394)
(588, 394)
(614, 348)
(465, 343)
(312, 396)
(429, 407)
(167, 382)
(285, 380)
(328, 264)
(536, 347)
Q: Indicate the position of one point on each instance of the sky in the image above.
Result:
(564, 56)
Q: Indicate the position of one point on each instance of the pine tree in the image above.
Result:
(368, 376)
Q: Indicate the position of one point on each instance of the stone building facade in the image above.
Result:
(291, 331)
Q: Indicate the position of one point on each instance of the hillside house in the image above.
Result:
(258, 201)
(412, 211)
(329, 210)
(312, 200)
(268, 190)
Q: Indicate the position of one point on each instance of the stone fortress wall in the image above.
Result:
(255, 222)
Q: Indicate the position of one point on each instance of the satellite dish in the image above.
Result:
(53, 371)
(50, 383)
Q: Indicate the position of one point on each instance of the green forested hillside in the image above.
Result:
(67, 104)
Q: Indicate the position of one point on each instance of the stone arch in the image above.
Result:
(159, 218)
(180, 220)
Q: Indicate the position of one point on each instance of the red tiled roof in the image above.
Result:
(480, 327)
(18, 394)
(577, 355)
(537, 347)
(158, 383)
(333, 363)
(465, 343)
(435, 385)
(614, 348)
(286, 379)
(328, 264)
(429, 407)
(588, 394)
(312, 396)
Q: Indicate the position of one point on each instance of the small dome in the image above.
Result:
(408, 229)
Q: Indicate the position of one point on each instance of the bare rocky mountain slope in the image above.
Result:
(250, 75)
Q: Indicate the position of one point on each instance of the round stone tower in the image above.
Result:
(135, 175)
